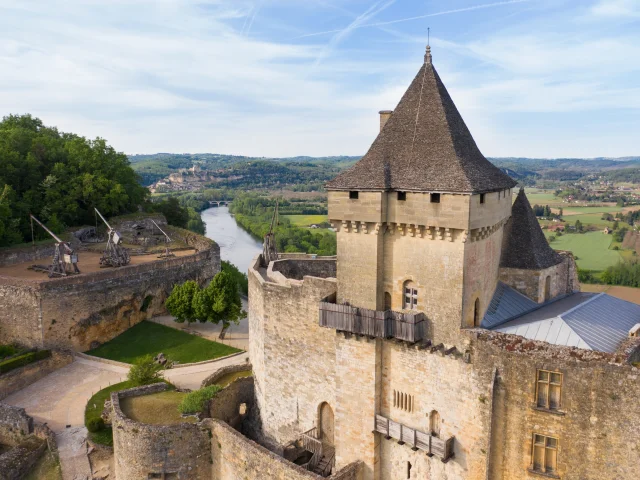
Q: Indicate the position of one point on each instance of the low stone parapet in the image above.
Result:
(22, 377)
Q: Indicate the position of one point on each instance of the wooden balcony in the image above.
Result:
(415, 439)
(409, 327)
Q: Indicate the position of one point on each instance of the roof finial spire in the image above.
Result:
(427, 56)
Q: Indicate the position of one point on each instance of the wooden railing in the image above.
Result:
(312, 443)
(416, 439)
(373, 323)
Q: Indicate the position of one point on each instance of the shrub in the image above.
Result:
(194, 402)
(22, 360)
(95, 425)
(145, 372)
(8, 350)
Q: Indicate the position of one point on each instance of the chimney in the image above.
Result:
(384, 116)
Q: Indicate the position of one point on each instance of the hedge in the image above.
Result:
(22, 360)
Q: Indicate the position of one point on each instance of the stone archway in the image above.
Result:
(326, 423)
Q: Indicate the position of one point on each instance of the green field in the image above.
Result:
(588, 219)
(148, 338)
(591, 249)
(306, 220)
(542, 198)
(568, 210)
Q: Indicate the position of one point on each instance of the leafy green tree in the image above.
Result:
(145, 371)
(615, 225)
(219, 302)
(578, 226)
(180, 301)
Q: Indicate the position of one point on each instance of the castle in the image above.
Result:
(447, 340)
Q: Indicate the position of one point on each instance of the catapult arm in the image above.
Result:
(46, 229)
(168, 238)
(103, 219)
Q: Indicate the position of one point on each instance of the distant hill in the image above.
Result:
(153, 167)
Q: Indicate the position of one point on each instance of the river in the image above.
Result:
(236, 245)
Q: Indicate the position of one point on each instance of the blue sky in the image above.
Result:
(544, 78)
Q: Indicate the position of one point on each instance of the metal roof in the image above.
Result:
(505, 305)
(584, 320)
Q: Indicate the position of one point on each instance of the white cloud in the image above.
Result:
(616, 8)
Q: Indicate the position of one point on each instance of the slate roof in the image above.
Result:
(524, 244)
(584, 320)
(424, 146)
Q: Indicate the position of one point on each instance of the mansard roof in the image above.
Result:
(424, 146)
(525, 245)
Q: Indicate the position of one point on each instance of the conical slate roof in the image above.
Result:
(424, 146)
(525, 246)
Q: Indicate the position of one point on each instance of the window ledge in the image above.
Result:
(542, 474)
(548, 410)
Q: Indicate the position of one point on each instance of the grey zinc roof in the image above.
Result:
(424, 146)
(584, 320)
(506, 304)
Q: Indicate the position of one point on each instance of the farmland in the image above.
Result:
(590, 249)
(306, 220)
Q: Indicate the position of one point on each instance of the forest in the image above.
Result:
(60, 177)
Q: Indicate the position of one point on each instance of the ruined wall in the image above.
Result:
(596, 425)
(532, 283)
(182, 450)
(11, 256)
(72, 312)
(15, 424)
(235, 457)
(22, 377)
(225, 405)
(284, 335)
(323, 267)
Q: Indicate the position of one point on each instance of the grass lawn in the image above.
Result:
(306, 220)
(592, 249)
(148, 338)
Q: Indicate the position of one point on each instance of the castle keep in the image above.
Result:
(446, 340)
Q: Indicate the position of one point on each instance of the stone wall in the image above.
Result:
(74, 311)
(298, 269)
(181, 451)
(22, 377)
(28, 439)
(563, 279)
(597, 425)
(31, 253)
(235, 457)
(221, 372)
(225, 405)
(284, 335)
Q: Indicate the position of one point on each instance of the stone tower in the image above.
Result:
(420, 217)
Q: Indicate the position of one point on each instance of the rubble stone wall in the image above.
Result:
(182, 450)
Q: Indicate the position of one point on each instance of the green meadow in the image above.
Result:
(591, 249)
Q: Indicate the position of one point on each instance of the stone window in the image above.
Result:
(435, 198)
(544, 454)
(402, 196)
(410, 296)
(403, 401)
(482, 198)
(548, 389)
(353, 195)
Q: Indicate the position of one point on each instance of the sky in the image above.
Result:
(531, 78)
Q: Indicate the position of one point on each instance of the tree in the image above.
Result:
(561, 213)
(180, 301)
(615, 225)
(578, 226)
(145, 371)
(219, 302)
